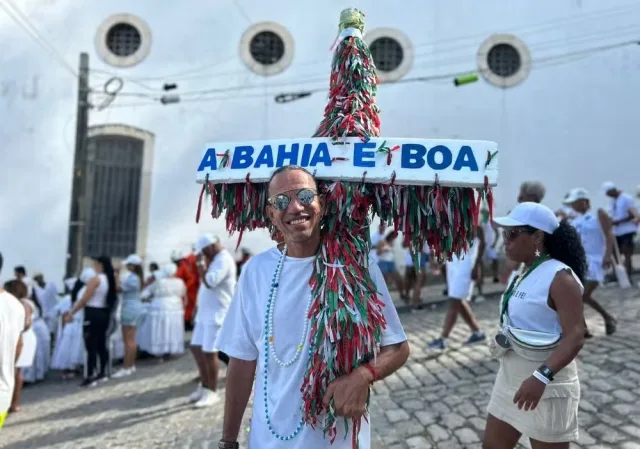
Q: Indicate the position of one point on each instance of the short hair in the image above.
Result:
(286, 168)
(154, 266)
(17, 288)
(533, 189)
(20, 270)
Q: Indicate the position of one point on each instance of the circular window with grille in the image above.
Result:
(504, 60)
(391, 51)
(123, 40)
(267, 48)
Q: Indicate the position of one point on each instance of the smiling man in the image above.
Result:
(266, 332)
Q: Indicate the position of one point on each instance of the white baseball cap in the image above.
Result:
(530, 214)
(133, 259)
(606, 186)
(204, 241)
(576, 194)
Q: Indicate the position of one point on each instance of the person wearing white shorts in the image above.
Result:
(596, 233)
(461, 273)
(217, 270)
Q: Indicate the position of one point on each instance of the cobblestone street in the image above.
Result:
(433, 401)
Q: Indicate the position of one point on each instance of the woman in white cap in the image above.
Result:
(166, 313)
(68, 353)
(536, 392)
(596, 233)
(131, 313)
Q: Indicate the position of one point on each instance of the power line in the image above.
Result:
(23, 22)
(292, 96)
(520, 30)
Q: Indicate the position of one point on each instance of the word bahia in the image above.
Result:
(405, 161)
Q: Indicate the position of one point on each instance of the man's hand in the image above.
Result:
(349, 394)
(67, 318)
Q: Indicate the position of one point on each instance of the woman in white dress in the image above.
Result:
(166, 314)
(29, 342)
(596, 233)
(40, 366)
(68, 354)
(537, 390)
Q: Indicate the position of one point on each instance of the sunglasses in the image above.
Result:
(510, 234)
(282, 200)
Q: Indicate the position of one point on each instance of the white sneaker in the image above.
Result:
(123, 372)
(197, 394)
(208, 399)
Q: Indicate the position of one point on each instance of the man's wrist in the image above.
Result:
(369, 373)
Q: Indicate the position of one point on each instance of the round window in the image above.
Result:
(123, 39)
(387, 53)
(266, 48)
(504, 60)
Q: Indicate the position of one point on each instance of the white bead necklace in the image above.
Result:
(271, 312)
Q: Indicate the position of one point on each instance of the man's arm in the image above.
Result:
(390, 360)
(607, 229)
(240, 376)
(216, 273)
(481, 246)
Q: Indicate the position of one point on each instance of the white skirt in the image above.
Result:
(38, 370)
(143, 331)
(28, 352)
(68, 353)
(166, 327)
(555, 419)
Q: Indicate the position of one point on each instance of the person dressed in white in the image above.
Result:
(166, 314)
(491, 244)
(278, 369)
(461, 274)
(595, 230)
(625, 219)
(69, 350)
(37, 371)
(29, 341)
(375, 238)
(537, 391)
(217, 271)
(12, 324)
(46, 294)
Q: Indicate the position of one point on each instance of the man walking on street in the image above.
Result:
(267, 333)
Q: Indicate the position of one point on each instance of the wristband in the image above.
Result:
(372, 371)
(538, 375)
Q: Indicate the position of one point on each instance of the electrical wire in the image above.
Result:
(20, 19)
(445, 76)
(599, 15)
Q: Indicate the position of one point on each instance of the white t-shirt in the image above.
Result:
(375, 239)
(620, 210)
(242, 337)
(99, 297)
(214, 302)
(12, 316)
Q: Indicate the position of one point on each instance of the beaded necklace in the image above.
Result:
(269, 346)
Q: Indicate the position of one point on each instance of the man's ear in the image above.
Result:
(323, 203)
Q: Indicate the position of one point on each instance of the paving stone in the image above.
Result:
(467, 436)
(433, 402)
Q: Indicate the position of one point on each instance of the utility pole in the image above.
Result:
(79, 202)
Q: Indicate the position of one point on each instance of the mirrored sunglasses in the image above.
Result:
(282, 200)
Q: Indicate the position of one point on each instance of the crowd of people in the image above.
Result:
(110, 313)
(556, 262)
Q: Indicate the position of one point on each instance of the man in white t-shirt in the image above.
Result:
(625, 220)
(46, 293)
(277, 364)
(12, 323)
(217, 271)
